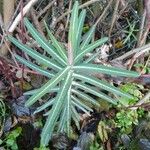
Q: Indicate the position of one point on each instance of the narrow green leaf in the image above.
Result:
(73, 28)
(93, 68)
(55, 111)
(95, 92)
(49, 85)
(43, 42)
(80, 27)
(58, 46)
(87, 37)
(90, 47)
(86, 97)
(44, 106)
(47, 113)
(79, 103)
(34, 67)
(40, 58)
(68, 111)
(80, 107)
(62, 122)
(76, 114)
(65, 119)
(31, 92)
(91, 58)
(75, 117)
(102, 84)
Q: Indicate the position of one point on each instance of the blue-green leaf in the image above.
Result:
(44, 106)
(63, 120)
(86, 97)
(102, 84)
(58, 46)
(93, 68)
(72, 39)
(87, 37)
(79, 104)
(49, 85)
(80, 27)
(40, 58)
(31, 92)
(68, 111)
(80, 107)
(43, 42)
(90, 48)
(95, 92)
(55, 111)
(34, 67)
(75, 116)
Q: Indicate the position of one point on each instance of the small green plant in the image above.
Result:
(130, 32)
(71, 77)
(125, 120)
(10, 140)
(135, 90)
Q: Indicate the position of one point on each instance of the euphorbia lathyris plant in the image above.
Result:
(70, 76)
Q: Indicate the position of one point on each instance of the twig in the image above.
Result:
(141, 29)
(7, 46)
(1, 21)
(36, 22)
(14, 15)
(80, 7)
(8, 11)
(18, 18)
(146, 64)
(46, 8)
(104, 12)
(67, 22)
(136, 50)
(114, 16)
(25, 70)
(145, 34)
(136, 56)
